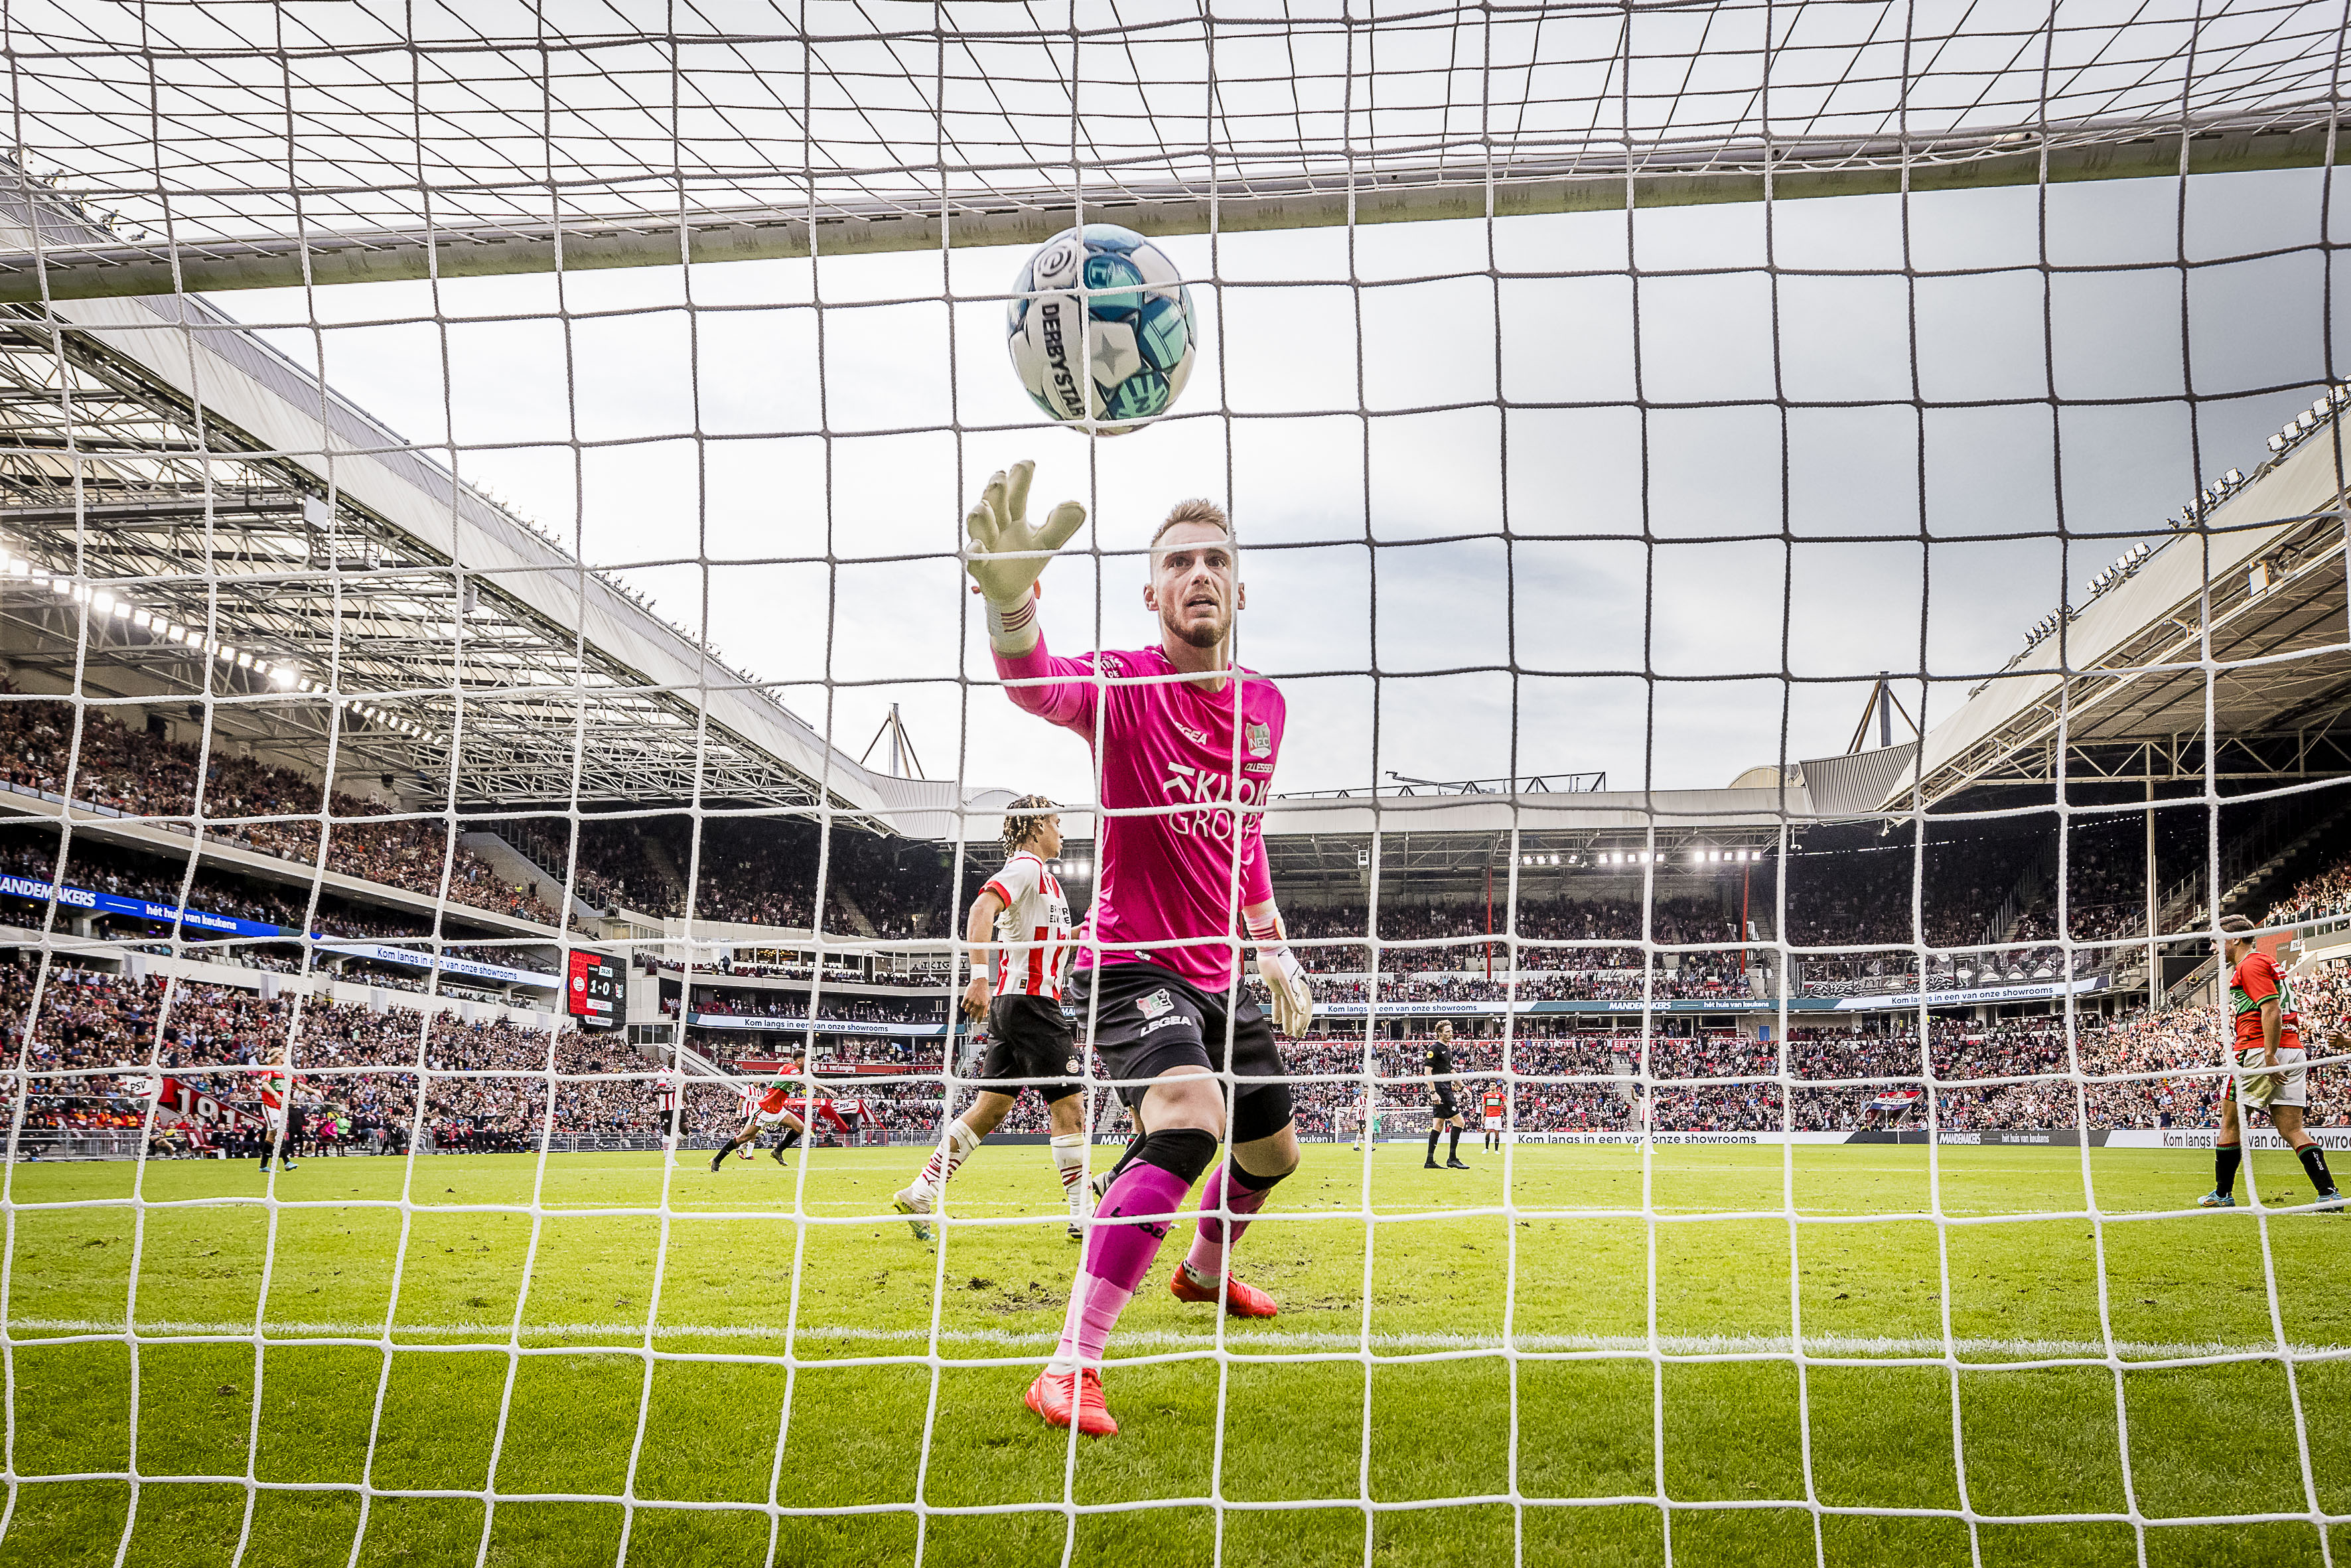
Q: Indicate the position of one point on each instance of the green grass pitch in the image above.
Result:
(867, 1421)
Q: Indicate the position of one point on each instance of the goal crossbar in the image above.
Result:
(1462, 184)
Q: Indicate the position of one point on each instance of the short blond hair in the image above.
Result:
(1197, 510)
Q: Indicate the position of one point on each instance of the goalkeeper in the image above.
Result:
(1185, 743)
(2268, 1036)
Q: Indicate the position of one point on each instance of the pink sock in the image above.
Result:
(1118, 1256)
(1207, 1259)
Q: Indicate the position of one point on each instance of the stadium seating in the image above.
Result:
(96, 1041)
(144, 775)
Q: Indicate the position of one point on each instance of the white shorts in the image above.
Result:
(274, 1120)
(1493, 1124)
(2292, 1076)
(773, 1118)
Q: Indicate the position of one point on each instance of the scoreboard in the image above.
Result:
(596, 992)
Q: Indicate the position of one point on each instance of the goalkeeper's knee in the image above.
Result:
(1182, 1152)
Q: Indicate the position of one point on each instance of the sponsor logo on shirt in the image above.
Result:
(1188, 733)
(1187, 785)
(1164, 1022)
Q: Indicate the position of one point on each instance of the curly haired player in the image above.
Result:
(1029, 1043)
(1185, 743)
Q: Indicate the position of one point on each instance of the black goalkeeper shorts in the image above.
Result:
(1030, 1046)
(1147, 1020)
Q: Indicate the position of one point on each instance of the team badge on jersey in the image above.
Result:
(1260, 739)
(1157, 1002)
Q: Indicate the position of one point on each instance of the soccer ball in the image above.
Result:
(1134, 352)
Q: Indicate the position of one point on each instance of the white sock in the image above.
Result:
(955, 1145)
(1070, 1160)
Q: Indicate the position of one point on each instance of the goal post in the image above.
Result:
(1467, 184)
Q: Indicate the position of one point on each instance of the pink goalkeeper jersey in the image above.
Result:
(1170, 876)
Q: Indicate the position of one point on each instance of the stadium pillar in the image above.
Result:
(2154, 954)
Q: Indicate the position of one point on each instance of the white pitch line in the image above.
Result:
(1244, 1340)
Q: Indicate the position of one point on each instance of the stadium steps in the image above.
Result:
(2031, 889)
(657, 860)
(857, 920)
(2257, 880)
(516, 867)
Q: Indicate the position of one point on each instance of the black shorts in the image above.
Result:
(1441, 1105)
(1147, 1020)
(1030, 1046)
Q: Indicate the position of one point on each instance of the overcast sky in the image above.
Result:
(591, 432)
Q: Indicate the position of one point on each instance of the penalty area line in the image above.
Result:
(1274, 1340)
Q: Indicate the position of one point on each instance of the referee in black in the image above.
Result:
(1442, 1112)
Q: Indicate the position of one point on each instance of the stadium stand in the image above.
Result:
(250, 804)
(96, 1051)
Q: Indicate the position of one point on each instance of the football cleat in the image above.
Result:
(2217, 1199)
(1242, 1300)
(916, 1208)
(718, 1159)
(1456, 1165)
(1077, 1230)
(1050, 1397)
(777, 1154)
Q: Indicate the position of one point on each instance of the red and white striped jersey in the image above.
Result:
(1034, 928)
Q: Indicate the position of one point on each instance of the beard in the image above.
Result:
(1203, 632)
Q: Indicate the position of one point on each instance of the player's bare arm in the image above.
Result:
(978, 931)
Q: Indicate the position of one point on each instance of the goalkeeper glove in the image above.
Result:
(1007, 555)
(1285, 978)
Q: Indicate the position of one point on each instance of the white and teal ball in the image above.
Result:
(1101, 328)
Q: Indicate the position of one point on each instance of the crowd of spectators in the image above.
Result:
(2318, 896)
(99, 1041)
(32, 853)
(763, 871)
(253, 804)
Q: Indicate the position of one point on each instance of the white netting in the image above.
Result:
(364, 611)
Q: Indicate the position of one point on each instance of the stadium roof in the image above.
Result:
(2233, 626)
(224, 502)
(448, 140)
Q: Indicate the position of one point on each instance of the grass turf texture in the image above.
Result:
(866, 1420)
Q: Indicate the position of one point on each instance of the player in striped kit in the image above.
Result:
(664, 1096)
(1029, 1043)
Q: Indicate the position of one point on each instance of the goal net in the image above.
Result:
(1803, 550)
